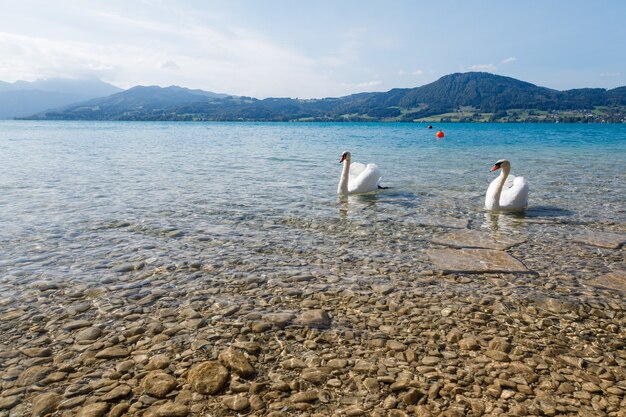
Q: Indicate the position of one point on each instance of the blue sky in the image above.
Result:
(313, 49)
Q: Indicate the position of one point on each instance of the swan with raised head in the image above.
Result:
(356, 177)
(507, 192)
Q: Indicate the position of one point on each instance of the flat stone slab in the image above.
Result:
(439, 221)
(475, 261)
(613, 280)
(475, 239)
(601, 239)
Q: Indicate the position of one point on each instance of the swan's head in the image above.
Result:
(502, 163)
(345, 157)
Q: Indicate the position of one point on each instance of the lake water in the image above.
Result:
(80, 201)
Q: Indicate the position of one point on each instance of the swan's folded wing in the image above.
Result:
(367, 180)
(356, 168)
(516, 196)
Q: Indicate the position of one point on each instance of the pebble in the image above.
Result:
(158, 384)
(208, 377)
(236, 402)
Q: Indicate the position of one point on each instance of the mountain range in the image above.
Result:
(472, 96)
(23, 98)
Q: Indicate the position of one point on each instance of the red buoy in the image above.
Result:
(440, 134)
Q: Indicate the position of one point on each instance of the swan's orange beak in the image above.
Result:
(495, 167)
(343, 157)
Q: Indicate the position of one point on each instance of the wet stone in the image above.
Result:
(601, 239)
(76, 324)
(474, 239)
(237, 362)
(45, 404)
(116, 393)
(113, 352)
(33, 375)
(314, 318)
(208, 377)
(37, 352)
(475, 261)
(88, 334)
(97, 409)
(613, 280)
(158, 384)
(279, 319)
(172, 409)
(7, 403)
(236, 402)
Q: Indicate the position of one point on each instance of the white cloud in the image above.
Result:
(418, 72)
(483, 67)
(232, 60)
(508, 60)
(366, 84)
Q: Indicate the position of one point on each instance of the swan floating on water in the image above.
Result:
(357, 177)
(507, 192)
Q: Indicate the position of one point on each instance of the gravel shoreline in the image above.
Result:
(317, 335)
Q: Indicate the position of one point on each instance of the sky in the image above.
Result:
(312, 49)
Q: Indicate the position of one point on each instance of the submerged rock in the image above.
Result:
(474, 261)
(208, 377)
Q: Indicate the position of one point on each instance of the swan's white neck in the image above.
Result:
(342, 189)
(502, 179)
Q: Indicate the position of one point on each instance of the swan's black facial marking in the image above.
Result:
(496, 166)
(344, 156)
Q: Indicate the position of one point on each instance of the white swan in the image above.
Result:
(503, 194)
(357, 177)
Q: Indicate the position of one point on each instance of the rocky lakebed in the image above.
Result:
(453, 321)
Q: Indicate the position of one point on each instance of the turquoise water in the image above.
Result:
(78, 198)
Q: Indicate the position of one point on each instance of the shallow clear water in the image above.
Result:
(79, 198)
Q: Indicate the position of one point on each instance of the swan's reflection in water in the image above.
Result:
(356, 202)
(503, 222)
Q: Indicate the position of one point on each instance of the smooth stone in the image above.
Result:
(601, 239)
(76, 324)
(497, 355)
(113, 352)
(116, 393)
(32, 375)
(468, 343)
(474, 239)
(119, 410)
(613, 280)
(6, 403)
(46, 403)
(158, 384)
(314, 319)
(337, 363)
(430, 360)
(304, 397)
(475, 261)
(160, 361)
(37, 352)
(236, 402)
(315, 375)
(279, 319)
(88, 334)
(207, 377)
(260, 326)
(93, 410)
(293, 363)
(172, 409)
(237, 362)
